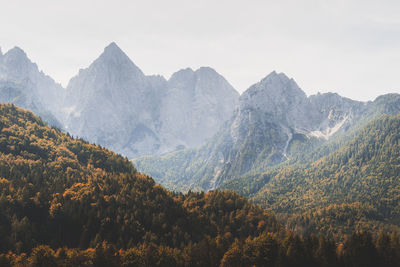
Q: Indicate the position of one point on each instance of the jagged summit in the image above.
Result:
(278, 83)
(17, 67)
(275, 76)
(111, 68)
(187, 72)
(272, 75)
(114, 57)
(16, 53)
(277, 95)
(189, 78)
(113, 50)
(17, 58)
(179, 76)
(112, 45)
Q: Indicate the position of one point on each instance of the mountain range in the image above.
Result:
(194, 132)
(114, 104)
(274, 123)
(323, 163)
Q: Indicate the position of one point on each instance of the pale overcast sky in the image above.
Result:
(351, 47)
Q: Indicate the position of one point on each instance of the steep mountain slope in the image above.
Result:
(274, 123)
(359, 182)
(114, 104)
(62, 191)
(23, 84)
(197, 103)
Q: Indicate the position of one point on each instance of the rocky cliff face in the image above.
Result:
(197, 103)
(273, 122)
(23, 84)
(114, 104)
(270, 115)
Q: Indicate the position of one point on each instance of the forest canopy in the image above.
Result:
(65, 202)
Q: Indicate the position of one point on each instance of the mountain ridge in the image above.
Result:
(113, 103)
(265, 131)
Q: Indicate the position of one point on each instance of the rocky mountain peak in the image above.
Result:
(209, 82)
(113, 46)
(113, 51)
(27, 87)
(114, 104)
(275, 94)
(17, 64)
(112, 70)
(280, 85)
(114, 61)
(182, 79)
(16, 52)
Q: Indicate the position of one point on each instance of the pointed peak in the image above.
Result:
(112, 47)
(273, 76)
(273, 73)
(16, 52)
(113, 54)
(113, 51)
(210, 73)
(276, 85)
(116, 61)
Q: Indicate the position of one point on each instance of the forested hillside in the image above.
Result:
(64, 202)
(63, 191)
(355, 188)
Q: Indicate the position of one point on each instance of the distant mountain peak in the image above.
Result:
(182, 76)
(18, 63)
(277, 86)
(16, 52)
(279, 77)
(18, 59)
(113, 48)
(113, 61)
(185, 71)
(113, 53)
(206, 69)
